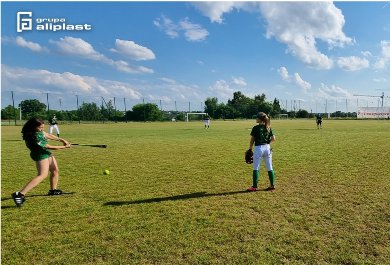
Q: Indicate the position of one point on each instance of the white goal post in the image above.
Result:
(195, 113)
(283, 116)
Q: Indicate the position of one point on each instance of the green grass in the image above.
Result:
(175, 196)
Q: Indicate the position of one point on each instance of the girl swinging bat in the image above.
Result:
(36, 140)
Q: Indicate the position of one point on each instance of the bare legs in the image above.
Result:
(43, 168)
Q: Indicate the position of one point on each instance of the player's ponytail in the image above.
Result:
(265, 119)
(268, 123)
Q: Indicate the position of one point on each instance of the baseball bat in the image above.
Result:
(92, 145)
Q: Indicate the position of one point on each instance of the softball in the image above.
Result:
(106, 172)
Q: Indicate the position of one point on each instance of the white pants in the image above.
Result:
(54, 126)
(262, 152)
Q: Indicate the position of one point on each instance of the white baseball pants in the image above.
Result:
(262, 152)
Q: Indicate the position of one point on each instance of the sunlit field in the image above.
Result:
(176, 195)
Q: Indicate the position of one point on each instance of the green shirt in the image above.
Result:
(37, 147)
(261, 135)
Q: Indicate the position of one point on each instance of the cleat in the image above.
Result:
(251, 189)
(270, 188)
(18, 198)
(54, 192)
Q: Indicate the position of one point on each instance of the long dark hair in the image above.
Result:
(29, 129)
(265, 119)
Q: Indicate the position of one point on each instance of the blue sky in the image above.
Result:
(314, 55)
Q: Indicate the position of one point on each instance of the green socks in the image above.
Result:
(255, 178)
(271, 176)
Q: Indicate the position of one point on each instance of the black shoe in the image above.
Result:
(18, 198)
(270, 188)
(54, 192)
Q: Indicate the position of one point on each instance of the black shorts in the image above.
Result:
(319, 122)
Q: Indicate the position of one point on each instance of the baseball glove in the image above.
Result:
(249, 156)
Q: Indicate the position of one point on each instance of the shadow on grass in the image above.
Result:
(188, 196)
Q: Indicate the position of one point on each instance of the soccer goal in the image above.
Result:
(283, 116)
(195, 113)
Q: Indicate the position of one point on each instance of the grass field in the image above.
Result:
(176, 195)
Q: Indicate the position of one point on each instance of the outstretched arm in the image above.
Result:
(55, 138)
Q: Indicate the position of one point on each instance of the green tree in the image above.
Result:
(90, 112)
(276, 109)
(211, 106)
(241, 104)
(302, 114)
(260, 98)
(9, 113)
(108, 110)
(260, 105)
(226, 111)
(32, 107)
(146, 112)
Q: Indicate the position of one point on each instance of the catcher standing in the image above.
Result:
(261, 136)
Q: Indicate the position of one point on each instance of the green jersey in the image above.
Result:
(37, 147)
(261, 135)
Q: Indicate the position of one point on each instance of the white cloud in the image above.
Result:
(383, 61)
(29, 45)
(366, 54)
(283, 73)
(295, 79)
(297, 24)
(179, 90)
(222, 90)
(40, 80)
(380, 80)
(300, 24)
(80, 48)
(132, 50)
(192, 32)
(125, 67)
(301, 83)
(168, 80)
(333, 92)
(168, 26)
(352, 63)
(239, 81)
(215, 10)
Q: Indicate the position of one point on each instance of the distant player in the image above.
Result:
(319, 121)
(207, 122)
(54, 125)
(261, 137)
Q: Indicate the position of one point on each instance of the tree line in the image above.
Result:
(239, 107)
